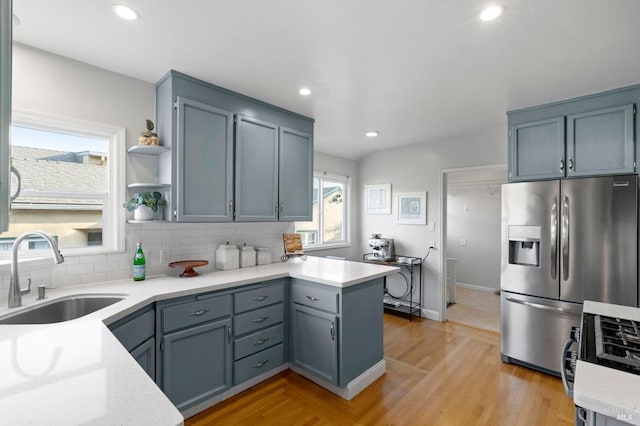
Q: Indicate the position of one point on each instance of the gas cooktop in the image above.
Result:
(617, 343)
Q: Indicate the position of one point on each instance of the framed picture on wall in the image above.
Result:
(377, 199)
(411, 208)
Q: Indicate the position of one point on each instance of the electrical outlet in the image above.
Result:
(431, 244)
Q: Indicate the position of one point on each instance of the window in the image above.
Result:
(329, 224)
(71, 184)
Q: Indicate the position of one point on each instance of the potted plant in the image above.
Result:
(144, 205)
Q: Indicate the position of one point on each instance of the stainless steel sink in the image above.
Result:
(60, 310)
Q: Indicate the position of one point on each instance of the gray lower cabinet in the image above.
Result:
(336, 333)
(314, 342)
(136, 332)
(196, 347)
(588, 136)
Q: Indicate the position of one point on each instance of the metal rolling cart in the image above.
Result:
(398, 305)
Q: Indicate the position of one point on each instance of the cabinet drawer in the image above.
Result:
(258, 341)
(196, 312)
(258, 297)
(259, 363)
(255, 320)
(316, 297)
(134, 332)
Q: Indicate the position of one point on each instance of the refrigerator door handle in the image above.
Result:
(554, 238)
(564, 243)
(545, 307)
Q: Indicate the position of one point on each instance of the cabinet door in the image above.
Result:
(204, 163)
(5, 109)
(256, 170)
(295, 175)
(196, 363)
(536, 150)
(601, 142)
(145, 355)
(314, 341)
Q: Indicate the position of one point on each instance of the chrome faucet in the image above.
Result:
(15, 291)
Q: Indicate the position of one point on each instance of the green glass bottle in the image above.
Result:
(138, 264)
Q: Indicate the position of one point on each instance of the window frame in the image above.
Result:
(113, 215)
(345, 242)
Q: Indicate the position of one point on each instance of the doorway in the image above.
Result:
(471, 242)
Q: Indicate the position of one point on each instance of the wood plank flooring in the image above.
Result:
(437, 374)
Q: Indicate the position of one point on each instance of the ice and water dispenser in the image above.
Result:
(524, 245)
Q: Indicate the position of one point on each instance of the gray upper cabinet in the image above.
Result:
(587, 136)
(256, 170)
(601, 141)
(5, 109)
(537, 150)
(204, 163)
(195, 122)
(295, 176)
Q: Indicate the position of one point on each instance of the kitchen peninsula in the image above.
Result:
(78, 372)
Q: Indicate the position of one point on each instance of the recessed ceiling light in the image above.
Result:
(305, 91)
(125, 12)
(491, 12)
(16, 21)
(372, 133)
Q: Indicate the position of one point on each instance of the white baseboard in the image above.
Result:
(430, 314)
(354, 387)
(478, 288)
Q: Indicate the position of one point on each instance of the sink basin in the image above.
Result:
(60, 310)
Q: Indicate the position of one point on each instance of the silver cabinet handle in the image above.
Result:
(554, 238)
(260, 298)
(281, 207)
(261, 318)
(333, 331)
(260, 364)
(315, 299)
(570, 164)
(564, 237)
(277, 209)
(229, 334)
(230, 207)
(561, 165)
(198, 312)
(261, 341)
(19, 178)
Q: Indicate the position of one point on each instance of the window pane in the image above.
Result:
(333, 211)
(64, 183)
(310, 230)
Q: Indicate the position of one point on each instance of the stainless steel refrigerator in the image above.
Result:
(563, 242)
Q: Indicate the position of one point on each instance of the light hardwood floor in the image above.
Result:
(476, 308)
(437, 374)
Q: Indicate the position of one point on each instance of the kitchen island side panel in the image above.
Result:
(361, 338)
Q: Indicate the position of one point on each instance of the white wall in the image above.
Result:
(473, 215)
(417, 168)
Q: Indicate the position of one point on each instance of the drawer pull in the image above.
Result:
(260, 298)
(261, 318)
(261, 341)
(260, 364)
(315, 299)
(199, 312)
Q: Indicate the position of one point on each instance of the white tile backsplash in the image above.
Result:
(162, 243)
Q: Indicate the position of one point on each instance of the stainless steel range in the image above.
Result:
(606, 368)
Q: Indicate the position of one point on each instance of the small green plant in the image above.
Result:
(149, 199)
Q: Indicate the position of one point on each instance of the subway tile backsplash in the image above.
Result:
(162, 243)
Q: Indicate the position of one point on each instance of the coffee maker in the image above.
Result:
(382, 248)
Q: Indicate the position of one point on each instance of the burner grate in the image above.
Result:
(618, 341)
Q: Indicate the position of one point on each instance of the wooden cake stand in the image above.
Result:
(188, 266)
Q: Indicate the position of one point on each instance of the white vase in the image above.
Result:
(143, 213)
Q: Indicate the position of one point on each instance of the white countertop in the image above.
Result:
(77, 372)
(605, 390)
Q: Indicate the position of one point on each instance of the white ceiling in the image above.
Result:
(416, 70)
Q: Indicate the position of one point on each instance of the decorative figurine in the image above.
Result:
(148, 137)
